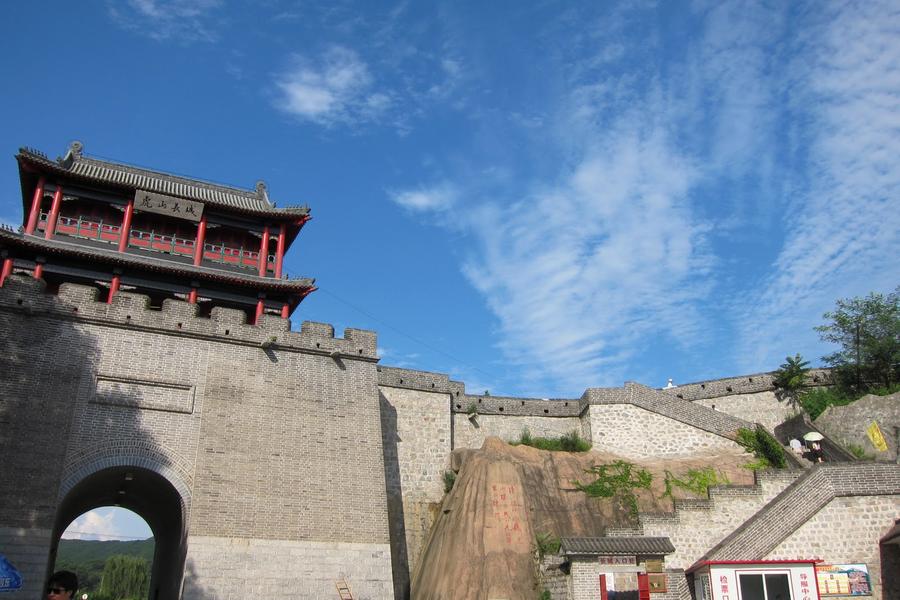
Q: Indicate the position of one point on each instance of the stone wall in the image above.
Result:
(758, 407)
(416, 434)
(846, 530)
(270, 436)
(471, 433)
(848, 424)
(637, 433)
(238, 569)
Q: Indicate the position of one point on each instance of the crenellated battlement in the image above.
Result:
(80, 302)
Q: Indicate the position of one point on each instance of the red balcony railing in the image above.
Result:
(156, 242)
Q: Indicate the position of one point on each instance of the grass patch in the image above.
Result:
(763, 446)
(570, 442)
(617, 480)
(695, 481)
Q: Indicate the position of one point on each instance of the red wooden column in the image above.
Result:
(285, 310)
(113, 288)
(54, 213)
(125, 230)
(35, 207)
(603, 593)
(192, 297)
(199, 241)
(259, 310)
(643, 586)
(264, 253)
(7, 268)
(279, 252)
(38, 269)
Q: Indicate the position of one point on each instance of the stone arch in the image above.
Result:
(145, 482)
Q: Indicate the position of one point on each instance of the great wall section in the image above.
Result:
(263, 454)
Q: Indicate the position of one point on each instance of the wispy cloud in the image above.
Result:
(844, 228)
(582, 271)
(180, 20)
(334, 88)
(439, 197)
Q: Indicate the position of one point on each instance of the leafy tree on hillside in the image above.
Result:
(868, 332)
(790, 377)
(125, 578)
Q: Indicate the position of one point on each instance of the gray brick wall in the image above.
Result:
(275, 442)
(236, 569)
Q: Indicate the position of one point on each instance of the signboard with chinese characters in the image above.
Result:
(844, 580)
(605, 559)
(657, 582)
(168, 205)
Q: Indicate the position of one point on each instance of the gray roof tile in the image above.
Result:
(617, 545)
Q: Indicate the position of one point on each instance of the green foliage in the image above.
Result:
(570, 442)
(790, 378)
(868, 333)
(695, 481)
(449, 480)
(472, 409)
(546, 595)
(859, 452)
(816, 400)
(763, 446)
(125, 578)
(617, 480)
(546, 543)
(88, 558)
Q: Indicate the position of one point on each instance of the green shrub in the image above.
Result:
(449, 480)
(695, 481)
(546, 595)
(617, 480)
(763, 446)
(546, 543)
(570, 442)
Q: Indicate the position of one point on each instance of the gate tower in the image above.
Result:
(131, 229)
(147, 361)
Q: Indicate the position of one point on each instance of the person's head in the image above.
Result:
(62, 585)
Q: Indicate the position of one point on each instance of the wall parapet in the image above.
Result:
(178, 318)
(678, 409)
(424, 381)
(745, 384)
(519, 407)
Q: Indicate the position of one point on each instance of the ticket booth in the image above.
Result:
(755, 580)
(617, 568)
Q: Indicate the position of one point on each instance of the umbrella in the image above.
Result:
(813, 436)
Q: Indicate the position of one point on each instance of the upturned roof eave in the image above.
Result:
(41, 162)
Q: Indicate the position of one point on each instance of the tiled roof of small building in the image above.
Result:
(617, 545)
(77, 164)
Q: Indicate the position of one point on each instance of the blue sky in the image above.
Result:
(533, 197)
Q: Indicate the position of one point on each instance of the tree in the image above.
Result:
(868, 332)
(125, 578)
(790, 378)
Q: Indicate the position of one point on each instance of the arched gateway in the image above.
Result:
(147, 361)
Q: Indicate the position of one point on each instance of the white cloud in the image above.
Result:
(94, 525)
(336, 88)
(844, 230)
(440, 197)
(582, 271)
(181, 20)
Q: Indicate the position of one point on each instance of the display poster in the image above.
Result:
(843, 580)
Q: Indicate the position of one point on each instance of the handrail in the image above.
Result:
(156, 241)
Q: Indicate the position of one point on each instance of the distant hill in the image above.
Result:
(87, 557)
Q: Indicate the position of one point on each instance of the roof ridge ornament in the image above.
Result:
(75, 151)
(262, 192)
